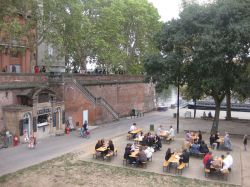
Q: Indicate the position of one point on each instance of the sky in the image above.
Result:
(167, 9)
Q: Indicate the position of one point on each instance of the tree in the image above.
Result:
(207, 44)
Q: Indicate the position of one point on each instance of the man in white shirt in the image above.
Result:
(227, 162)
(133, 127)
(171, 132)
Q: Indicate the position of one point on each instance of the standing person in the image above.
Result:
(245, 142)
(159, 130)
(43, 69)
(36, 69)
(171, 132)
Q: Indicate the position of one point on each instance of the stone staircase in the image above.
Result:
(96, 100)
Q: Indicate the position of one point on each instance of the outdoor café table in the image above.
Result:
(194, 136)
(174, 159)
(138, 140)
(220, 140)
(164, 134)
(101, 149)
(134, 154)
(135, 131)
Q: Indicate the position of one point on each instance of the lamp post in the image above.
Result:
(178, 97)
(178, 104)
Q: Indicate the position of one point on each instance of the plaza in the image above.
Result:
(55, 146)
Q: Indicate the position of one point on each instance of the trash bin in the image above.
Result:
(152, 127)
(174, 115)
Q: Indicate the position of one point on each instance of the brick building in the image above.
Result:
(45, 103)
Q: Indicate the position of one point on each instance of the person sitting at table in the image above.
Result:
(212, 140)
(188, 136)
(171, 132)
(98, 144)
(168, 154)
(132, 128)
(195, 148)
(209, 164)
(227, 162)
(134, 146)
(207, 157)
(184, 157)
(227, 142)
(217, 137)
(127, 151)
(200, 137)
(203, 147)
(141, 157)
(157, 143)
(150, 140)
(111, 147)
(139, 135)
(148, 151)
(102, 142)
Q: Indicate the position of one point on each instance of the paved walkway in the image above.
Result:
(13, 159)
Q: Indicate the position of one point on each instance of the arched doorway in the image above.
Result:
(26, 123)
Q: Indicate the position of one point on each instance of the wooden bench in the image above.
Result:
(181, 167)
(166, 166)
(198, 155)
(144, 164)
(109, 156)
(169, 139)
(129, 136)
(225, 174)
(124, 162)
(206, 172)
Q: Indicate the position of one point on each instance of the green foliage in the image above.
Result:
(208, 46)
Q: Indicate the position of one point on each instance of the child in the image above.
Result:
(245, 142)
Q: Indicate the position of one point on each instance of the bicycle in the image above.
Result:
(84, 134)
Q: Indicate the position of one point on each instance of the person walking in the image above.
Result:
(245, 142)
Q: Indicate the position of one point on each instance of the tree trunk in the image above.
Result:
(194, 108)
(216, 116)
(228, 98)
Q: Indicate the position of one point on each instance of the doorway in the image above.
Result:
(85, 116)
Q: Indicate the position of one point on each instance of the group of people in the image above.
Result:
(110, 148)
(147, 139)
(143, 155)
(214, 163)
(170, 133)
(184, 157)
(215, 143)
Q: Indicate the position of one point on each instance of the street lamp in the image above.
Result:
(178, 97)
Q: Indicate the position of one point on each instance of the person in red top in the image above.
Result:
(207, 157)
(37, 70)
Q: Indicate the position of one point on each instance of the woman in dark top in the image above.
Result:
(200, 137)
(168, 154)
(127, 151)
(216, 138)
(111, 147)
(204, 148)
(98, 144)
